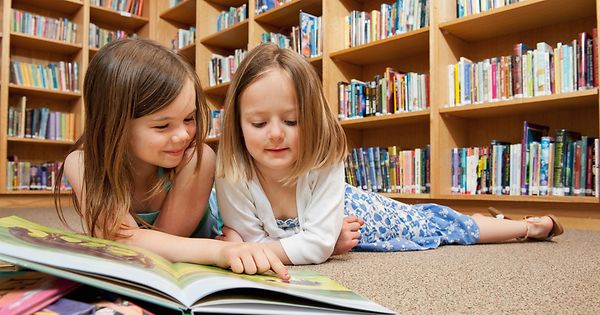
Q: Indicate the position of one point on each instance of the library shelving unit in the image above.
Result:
(181, 16)
(493, 34)
(33, 49)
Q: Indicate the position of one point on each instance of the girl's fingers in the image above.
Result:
(249, 264)
(276, 265)
(261, 261)
(236, 265)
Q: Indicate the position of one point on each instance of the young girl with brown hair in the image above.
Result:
(280, 175)
(140, 172)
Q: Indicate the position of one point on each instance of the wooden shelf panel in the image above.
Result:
(406, 196)
(63, 6)
(184, 13)
(189, 52)
(287, 15)
(41, 43)
(508, 198)
(219, 89)
(229, 3)
(514, 18)
(43, 93)
(522, 105)
(387, 120)
(211, 140)
(395, 47)
(40, 141)
(123, 20)
(235, 36)
(316, 61)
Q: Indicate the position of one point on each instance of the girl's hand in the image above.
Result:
(349, 235)
(229, 235)
(251, 258)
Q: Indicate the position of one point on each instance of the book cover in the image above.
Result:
(531, 132)
(141, 274)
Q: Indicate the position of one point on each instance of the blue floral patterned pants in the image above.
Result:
(394, 226)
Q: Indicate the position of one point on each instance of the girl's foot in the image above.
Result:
(538, 228)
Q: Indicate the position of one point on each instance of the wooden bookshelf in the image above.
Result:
(286, 15)
(184, 12)
(26, 48)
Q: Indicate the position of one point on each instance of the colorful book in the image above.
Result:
(141, 274)
(531, 132)
(25, 292)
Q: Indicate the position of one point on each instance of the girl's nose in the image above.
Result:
(275, 132)
(181, 134)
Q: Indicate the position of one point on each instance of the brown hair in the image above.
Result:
(127, 79)
(322, 141)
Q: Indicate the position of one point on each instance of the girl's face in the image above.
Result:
(269, 121)
(161, 138)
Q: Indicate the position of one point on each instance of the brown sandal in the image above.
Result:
(557, 228)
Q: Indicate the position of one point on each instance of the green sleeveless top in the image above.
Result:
(210, 225)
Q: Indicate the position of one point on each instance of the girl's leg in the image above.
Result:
(492, 230)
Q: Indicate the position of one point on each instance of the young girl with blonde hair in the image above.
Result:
(280, 175)
(140, 172)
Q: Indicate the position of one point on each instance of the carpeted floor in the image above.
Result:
(550, 277)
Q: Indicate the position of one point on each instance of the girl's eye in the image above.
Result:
(161, 126)
(187, 120)
(291, 122)
(259, 125)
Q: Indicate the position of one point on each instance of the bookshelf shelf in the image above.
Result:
(525, 15)
(316, 61)
(287, 14)
(63, 6)
(387, 120)
(232, 37)
(229, 3)
(395, 47)
(212, 140)
(33, 192)
(43, 93)
(184, 12)
(219, 89)
(93, 51)
(407, 196)
(37, 43)
(508, 198)
(189, 52)
(39, 141)
(586, 98)
(124, 20)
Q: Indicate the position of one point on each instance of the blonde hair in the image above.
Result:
(127, 79)
(322, 141)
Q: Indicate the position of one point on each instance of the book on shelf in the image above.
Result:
(141, 274)
(531, 133)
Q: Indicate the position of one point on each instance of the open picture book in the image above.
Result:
(190, 288)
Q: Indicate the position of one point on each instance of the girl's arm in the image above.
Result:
(186, 202)
(321, 219)
(240, 257)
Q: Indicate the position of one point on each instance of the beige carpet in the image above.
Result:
(550, 277)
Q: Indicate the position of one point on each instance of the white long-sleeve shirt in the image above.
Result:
(245, 208)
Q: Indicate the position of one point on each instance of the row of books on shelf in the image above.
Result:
(39, 123)
(392, 92)
(100, 37)
(226, 19)
(216, 119)
(57, 76)
(184, 38)
(305, 39)
(391, 169)
(526, 73)
(222, 68)
(124, 6)
(470, 7)
(37, 25)
(27, 175)
(400, 17)
(263, 6)
(566, 165)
